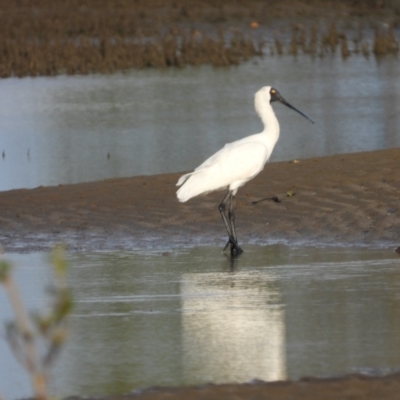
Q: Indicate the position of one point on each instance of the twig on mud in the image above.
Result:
(273, 198)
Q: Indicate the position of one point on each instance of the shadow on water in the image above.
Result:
(192, 316)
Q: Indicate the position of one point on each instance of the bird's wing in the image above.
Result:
(221, 153)
(183, 179)
(234, 165)
(210, 161)
(215, 157)
(240, 162)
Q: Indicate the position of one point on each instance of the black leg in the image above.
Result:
(221, 209)
(231, 215)
(235, 250)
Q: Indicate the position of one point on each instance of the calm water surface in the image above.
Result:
(85, 128)
(187, 317)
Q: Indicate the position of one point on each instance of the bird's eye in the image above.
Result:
(273, 91)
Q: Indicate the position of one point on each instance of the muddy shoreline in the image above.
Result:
(339, 388)
(348, 200)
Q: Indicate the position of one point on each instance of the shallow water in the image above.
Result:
(85, 128)
(189, 317)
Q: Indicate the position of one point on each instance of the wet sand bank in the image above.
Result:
(350, 199)
(350, 387)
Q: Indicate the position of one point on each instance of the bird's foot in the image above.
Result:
(234, 248)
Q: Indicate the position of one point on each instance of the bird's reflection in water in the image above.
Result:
(233, 325)
(232, 263)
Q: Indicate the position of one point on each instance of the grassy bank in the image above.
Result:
(50, 37)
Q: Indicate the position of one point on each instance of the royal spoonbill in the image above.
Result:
(236, 163)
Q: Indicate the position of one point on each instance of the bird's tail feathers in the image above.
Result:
(184, 194)
(196, 183)
(183, 179)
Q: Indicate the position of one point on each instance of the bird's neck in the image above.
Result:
(271, 124)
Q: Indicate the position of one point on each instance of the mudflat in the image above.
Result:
(349, 387)
(351, 199)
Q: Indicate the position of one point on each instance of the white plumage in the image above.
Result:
(236, 163)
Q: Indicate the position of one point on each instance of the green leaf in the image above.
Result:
(5, 268)
(58, 261)
(290, 193)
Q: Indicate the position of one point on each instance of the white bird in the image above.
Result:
(237, 163)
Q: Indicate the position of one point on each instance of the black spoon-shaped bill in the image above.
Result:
(276, 96)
